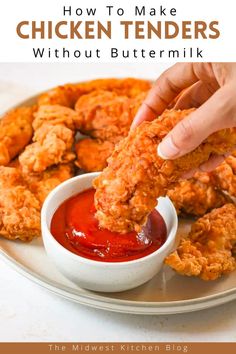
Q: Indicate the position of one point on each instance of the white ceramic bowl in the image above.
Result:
(97, 275)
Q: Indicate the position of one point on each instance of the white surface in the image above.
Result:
(29, 313)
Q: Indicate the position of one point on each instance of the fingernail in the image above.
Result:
(167, 149)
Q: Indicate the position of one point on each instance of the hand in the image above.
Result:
(211, 87)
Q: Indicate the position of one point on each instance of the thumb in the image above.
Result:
(217, 113)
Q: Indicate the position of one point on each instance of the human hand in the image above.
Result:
(211, 87)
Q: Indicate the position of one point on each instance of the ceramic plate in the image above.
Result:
(166, 293)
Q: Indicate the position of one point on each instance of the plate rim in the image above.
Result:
(120, 305)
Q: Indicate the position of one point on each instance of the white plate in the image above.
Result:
(166, 293)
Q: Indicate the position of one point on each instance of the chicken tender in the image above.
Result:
(207, 252)
(224, 176)
(126, 191)
(92, 154)
(106, 115)
(196, 198)
(19, 208)
(68, 94)
(53, 139)
(54, 115)
(15, 132)
(41, 184)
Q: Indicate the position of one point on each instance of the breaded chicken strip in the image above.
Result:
(207, 252)
(106, 115)
(205, 191)
(41, 184)
(21, 198)
(195, 197)
(54, 115)
(19, 208)
(92, 154)
(68, 94)
(53, 139)
(15, 132)
(224, 176)
(126, 191)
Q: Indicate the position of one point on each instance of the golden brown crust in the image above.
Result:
(92, 154)
(53, 139)
(22, 196)
(15, 132)
(19, 208)
(224, 176)
(68, 94)
(196, 197)
(105, 115)
(41, 184)
(207, 252)
(127, 189)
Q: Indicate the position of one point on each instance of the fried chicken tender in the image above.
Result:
(53, 139)
(54, 115)
(41, 184)
(19, 208)
(207, 252)
(68, 94)
(92, 154)
(205, 191)
(105, 115)
(224, 176)
(127, 189)
(22, 196)
(15, 132)
(196, 197)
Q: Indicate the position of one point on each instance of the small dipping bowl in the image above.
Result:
(99, 275)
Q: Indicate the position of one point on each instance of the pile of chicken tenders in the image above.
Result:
(85, 127)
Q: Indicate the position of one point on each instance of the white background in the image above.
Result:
(14, 49)
(30, 313)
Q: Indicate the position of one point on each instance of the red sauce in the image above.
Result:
(75, 227)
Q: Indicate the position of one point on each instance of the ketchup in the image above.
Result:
(75, 227)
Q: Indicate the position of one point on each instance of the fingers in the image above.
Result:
(217, 113)
(195, 95)
(144, 113)
(210, 165)
(165, 89)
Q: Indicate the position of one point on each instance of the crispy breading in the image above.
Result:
(195, 197)
(205, 191)
(22, 196)
(207, 252)
(68, 94)
(15, 132)
(224, 176)
(92, 154)
(54, 115)
(106, 115)
(126, 191)
(19, 208)
(53, 139)
(41, 184)
(53, 147)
